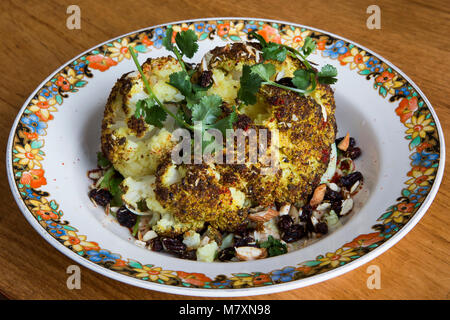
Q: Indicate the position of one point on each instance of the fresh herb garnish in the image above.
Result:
(274, 247)
(102, 161)
(111, 181)
(304, 80)
(136, 226)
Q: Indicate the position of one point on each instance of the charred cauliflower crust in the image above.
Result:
(221, 194)
(133, 146)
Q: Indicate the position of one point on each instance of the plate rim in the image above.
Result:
(238, 292)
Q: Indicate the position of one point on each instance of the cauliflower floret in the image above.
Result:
(136, 190)
(207, 253)
(191, 239)
(170, 226)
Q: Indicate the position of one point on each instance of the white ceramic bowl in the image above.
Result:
(55, 137)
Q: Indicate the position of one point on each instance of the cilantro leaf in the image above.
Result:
(208, 110)
(187, 42)
(308, 46)
(301, 79)
(111, 181)
(151, 112)
(226, 123)
(102, 161)
(167, 40)
(264, 70)
(273, 51)
(274, 246)
(182, 82)
(327, 75)
(258, 37)
(250, 84)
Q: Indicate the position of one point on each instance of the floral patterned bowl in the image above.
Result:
(55, 137)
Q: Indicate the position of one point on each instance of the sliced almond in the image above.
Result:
(343, 145)
(263, 216)
(285, 209)
(318, 195)
(250, 253)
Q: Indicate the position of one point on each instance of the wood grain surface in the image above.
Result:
(414, 35)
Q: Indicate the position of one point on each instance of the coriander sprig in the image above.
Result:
(152, 109)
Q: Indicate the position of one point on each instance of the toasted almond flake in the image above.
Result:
(140, 243)
(250, 253)
(294, 117)
(263, 216)
(294, 214)
(149, 235)
(347, 206)
(285, 209)
(323, 206)
(343, 145)
(334, 187)
(318, 195)
(354, 187)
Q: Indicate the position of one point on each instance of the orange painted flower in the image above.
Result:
(406, 108)
(101, 62)
(223, 29)
(145, 40)
(423, 146)
(196, 279)
(270, 34)
(364, 240)
(63, 83)
(321, 45)
(31, 135)
(355, 58)
(34, 178)
(261, 279)
(385, 77)
(304, 269)
(47, 215)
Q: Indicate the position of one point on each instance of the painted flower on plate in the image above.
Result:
(406, 108)
(102, 256)
(419, 126)
(101, 62)
(119, 49)
(295, 38)
(335, 49)
(270, 33)
(78, 242)
(154, 273)
(33, 178)
(42, 107)
(283, 275)
(355, 58)
(33, 123)
(421, 176)
(196, 279)
(28, 156)
(364, 240)
(333, 259)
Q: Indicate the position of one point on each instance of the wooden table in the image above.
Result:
(414, 35)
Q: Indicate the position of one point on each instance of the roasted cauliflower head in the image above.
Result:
(190, 196)
(133, 146)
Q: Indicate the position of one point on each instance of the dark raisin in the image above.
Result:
(156, 244)
(306, 213)
(125, 217)
(174, 245)
(349, 180)
(285, 82)
(322, 228)
(244, 241)
(333, 196)
(189, 255)
(294, 233)
(285, 222)
(336, 207)
(353, 153)
(310, 226)
(100, 196)
(226, 254)
(205, 79)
